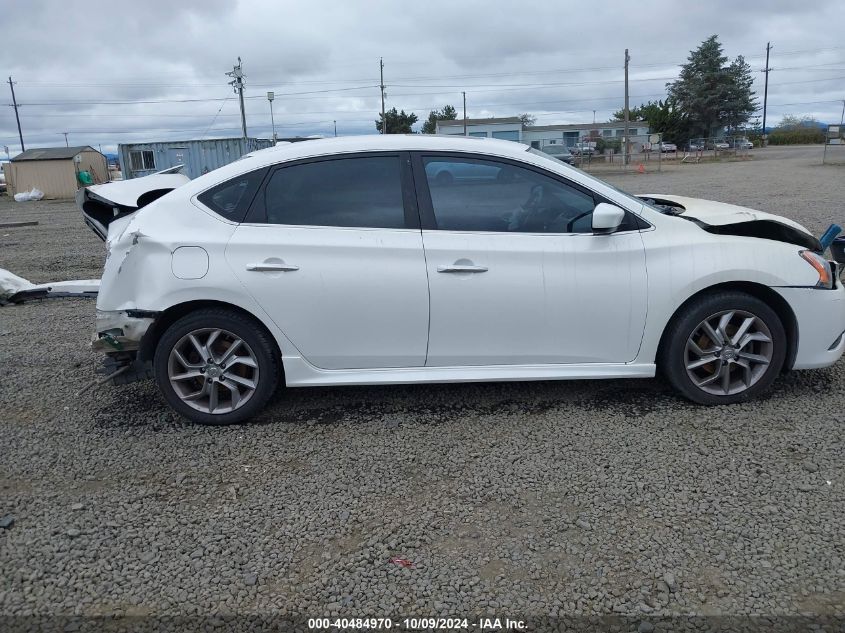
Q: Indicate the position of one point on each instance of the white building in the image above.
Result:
(539, 136)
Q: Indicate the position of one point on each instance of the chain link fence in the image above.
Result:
(647, 152)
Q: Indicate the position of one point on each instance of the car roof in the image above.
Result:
(387, 142)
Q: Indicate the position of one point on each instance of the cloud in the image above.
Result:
(166, 62)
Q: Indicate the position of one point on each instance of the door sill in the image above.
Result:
(300, 373)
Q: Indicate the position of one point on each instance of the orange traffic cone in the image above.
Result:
(641, 168)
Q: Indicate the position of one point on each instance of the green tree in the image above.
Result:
(527, 119)
(662, 116)
(740, 104)
(448, 113)
(797, 130)
(711, 92)
(645, 112)
(794, 122)
(397, 122)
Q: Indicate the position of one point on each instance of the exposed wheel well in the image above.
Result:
(761, 292)
(146, 351)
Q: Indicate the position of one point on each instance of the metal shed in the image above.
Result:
(198, 157)
(54, 170)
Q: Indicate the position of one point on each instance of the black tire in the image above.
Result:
(672, 359)
(252, 333)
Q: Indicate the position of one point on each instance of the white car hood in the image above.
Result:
(721, 213)
(126, 192)
(728, 219)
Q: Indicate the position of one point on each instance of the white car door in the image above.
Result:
(516, 275)
(332, 251)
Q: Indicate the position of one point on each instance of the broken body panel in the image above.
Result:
(103, 204)
(146, 275)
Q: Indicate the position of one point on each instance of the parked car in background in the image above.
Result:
(743, 143)
(345, 261)
(660, 147)
(583, 149)
(561, 152)
(718, 145)
(446, 174)
(695, 146)
(2, 180)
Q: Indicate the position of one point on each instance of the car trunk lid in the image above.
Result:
(101, 205)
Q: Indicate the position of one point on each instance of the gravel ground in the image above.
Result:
(528, 500)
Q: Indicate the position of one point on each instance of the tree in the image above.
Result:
(794, 122)
(662, 116)
(448, 113)
(645, 112)
(794, 130)
(527, 119)
(740, 104)
(397, 122)
(711, 92)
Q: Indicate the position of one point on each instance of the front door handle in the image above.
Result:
(462, 268)
(269, 267)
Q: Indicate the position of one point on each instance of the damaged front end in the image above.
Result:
(719, 218)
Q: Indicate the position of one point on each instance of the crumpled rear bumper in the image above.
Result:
(121, 330)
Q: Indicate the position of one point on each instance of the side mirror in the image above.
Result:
(607, 218)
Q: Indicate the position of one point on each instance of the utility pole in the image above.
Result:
(625, 141)
(17, 117)
(842, 118)
(381, 74)
(270, 96)
(594, 117)
(335, 127)
(766, 93)
(66, 143)
(237, 84)
(465, 112)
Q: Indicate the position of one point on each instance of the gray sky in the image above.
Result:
(560, 61)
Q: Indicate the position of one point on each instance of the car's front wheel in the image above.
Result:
(723, 348)
(216, 366)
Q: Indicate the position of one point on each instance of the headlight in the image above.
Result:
(822, 267)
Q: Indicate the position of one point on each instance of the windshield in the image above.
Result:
(630, 197)
(537, 152)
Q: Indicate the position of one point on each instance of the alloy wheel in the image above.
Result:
(213, 371)
(728, 352)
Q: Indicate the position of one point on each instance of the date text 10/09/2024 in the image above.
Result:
(414, 624)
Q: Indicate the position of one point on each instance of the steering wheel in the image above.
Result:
(542, 209)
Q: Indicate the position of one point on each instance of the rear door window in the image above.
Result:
(360, 192)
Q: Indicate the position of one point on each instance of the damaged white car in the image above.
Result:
(354, 261)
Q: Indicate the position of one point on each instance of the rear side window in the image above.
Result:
(232, 198)
(344, 192)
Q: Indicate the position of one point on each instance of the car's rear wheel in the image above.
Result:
(723, 348)
(216, 366)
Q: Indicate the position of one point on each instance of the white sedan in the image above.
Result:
(348, 261)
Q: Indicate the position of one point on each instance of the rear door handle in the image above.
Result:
(265, 267)
(459, 268)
